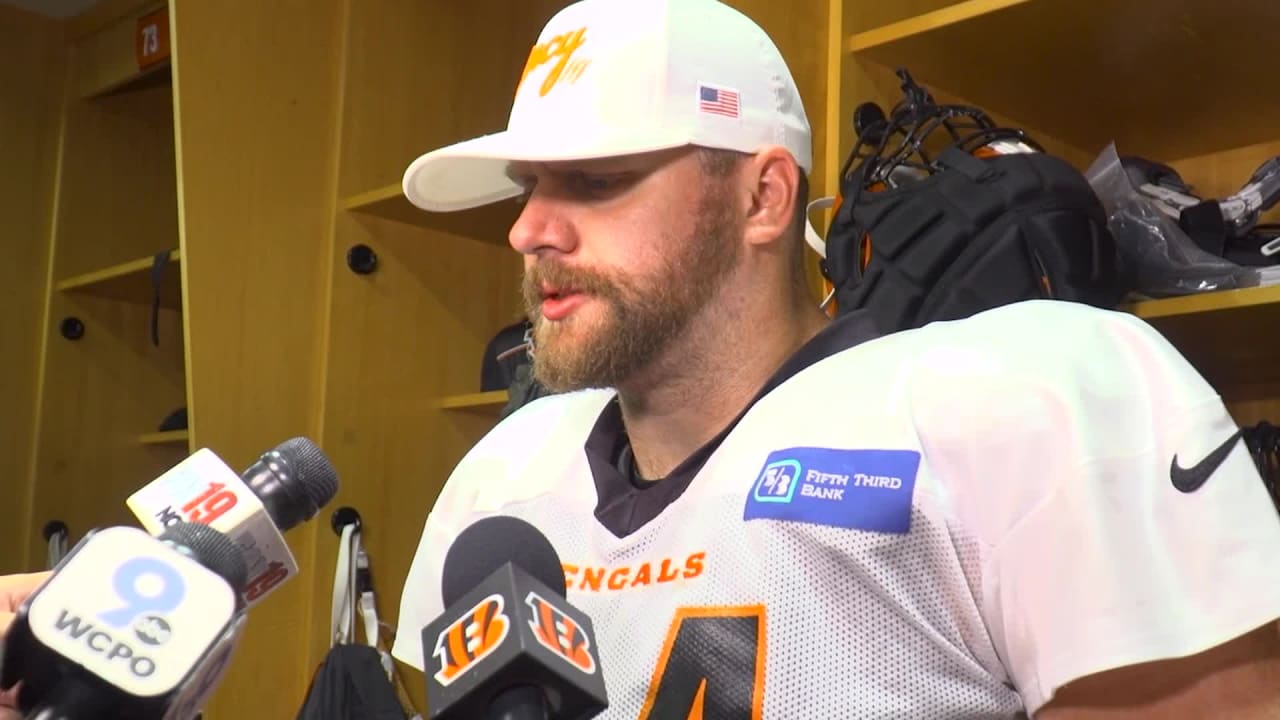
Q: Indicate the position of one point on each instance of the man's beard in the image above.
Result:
(643, 316)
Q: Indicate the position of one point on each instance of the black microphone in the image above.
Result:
(129, 626)
(284, 487)
(508, 646)
(293, 480)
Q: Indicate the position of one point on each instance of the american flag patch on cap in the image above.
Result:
(717, 101)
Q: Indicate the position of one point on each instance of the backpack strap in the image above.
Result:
(341, 619)
(966, 164)
(352, 594)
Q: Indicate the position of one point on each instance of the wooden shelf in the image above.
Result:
(1207, 302)
(130, 281)
(159, 74)
(165, 438)
(489, 223)
(1228, 335)
(1166, 79)
(494, 400)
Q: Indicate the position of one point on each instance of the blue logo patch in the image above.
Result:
(854, 489)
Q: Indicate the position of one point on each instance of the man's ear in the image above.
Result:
(772, 177)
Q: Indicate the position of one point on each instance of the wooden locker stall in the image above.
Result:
(256, 88)
(32, 62)
(201, 134)
(406, 333)
(112, 358)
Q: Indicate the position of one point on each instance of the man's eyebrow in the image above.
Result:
(519, 171)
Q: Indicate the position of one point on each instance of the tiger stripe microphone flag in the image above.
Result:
(507, 636)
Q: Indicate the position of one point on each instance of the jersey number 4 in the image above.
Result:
(712, 666)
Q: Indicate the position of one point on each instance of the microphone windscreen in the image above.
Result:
(313, 470)
(492, 542)
(212, 549)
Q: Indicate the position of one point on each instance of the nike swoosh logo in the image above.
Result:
(1189, 479)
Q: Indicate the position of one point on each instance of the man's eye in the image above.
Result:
(596, 185)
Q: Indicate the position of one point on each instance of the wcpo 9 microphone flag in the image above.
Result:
(137, 627)
(129, 626)
(283, 488)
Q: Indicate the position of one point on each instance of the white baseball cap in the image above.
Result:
(619, 77)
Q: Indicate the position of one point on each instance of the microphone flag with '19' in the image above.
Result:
(283, 488)
(508, 645)
(129, 626)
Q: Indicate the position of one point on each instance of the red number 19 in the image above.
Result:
(210, 505)
(264, 582)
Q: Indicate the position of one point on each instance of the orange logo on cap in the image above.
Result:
(559, 48)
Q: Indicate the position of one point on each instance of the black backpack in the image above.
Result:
(919, 237)
(351, 685)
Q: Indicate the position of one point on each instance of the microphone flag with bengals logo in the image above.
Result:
(511, 630)
(558, 632)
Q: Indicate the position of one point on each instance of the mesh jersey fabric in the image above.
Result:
(1043, 538)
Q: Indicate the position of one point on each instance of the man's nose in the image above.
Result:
(542, 225)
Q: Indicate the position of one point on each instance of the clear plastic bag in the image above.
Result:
(1157, 256)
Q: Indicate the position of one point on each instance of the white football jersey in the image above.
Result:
(948, 522)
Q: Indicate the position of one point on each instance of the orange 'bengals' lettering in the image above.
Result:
(618, 578)
(693, 565)
(592, 577)
(597, 579)
(665, 573)
(642, 576)
(471, 639)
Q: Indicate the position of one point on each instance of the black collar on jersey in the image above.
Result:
(623, 505)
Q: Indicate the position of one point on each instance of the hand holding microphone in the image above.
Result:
(128, 626)
(179, 600)
(14, 589)
(508, 646)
